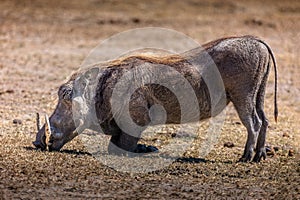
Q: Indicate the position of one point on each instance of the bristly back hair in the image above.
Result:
(165, 60)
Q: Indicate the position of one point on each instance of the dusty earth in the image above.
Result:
(43, 42)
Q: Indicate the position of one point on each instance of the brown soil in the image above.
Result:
(43, 42)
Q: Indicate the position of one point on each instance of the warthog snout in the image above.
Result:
(58, 129)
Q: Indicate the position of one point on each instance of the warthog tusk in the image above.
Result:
(38, 122)
(47, 129)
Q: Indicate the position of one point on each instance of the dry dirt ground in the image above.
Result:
(43, 42)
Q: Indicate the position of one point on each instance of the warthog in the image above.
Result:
(243, 64)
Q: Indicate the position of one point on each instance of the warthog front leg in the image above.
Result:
(123, 144)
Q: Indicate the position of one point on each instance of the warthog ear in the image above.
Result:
(91, 74)
(89, 77)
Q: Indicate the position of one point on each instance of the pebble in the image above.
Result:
(276, 148)
(228, 144)
(9, 91)
(17, 121)
(270, 151)
(158, 141)
(285, 135)
(291, 152)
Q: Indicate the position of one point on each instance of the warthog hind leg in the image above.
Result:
(260, 146)
(253, 125)
(248, 115)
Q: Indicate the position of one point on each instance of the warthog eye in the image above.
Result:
(65, 93)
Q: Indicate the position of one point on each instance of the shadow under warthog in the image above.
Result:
(64, 151)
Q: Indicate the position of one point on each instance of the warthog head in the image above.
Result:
(72, 114)
(60, 127)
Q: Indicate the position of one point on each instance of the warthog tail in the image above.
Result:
(275, 70)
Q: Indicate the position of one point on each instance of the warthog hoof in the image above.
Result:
(260, 154)
(142, 148)
(246, 157)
